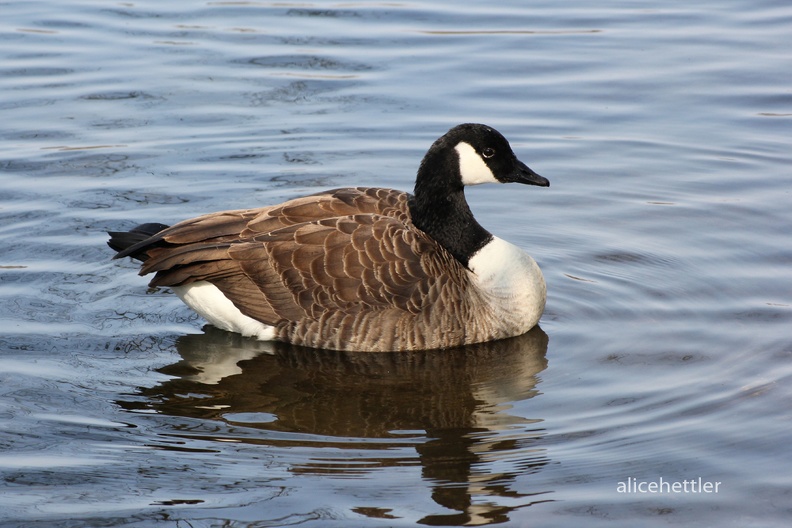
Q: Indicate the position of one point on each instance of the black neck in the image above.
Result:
(438, 208)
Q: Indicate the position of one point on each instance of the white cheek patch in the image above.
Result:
(471, 167)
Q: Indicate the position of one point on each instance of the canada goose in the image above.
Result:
(359, 269)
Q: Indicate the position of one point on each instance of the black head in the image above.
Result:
(467, 154)
(485, 156)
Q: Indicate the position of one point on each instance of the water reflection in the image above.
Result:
(452, 412)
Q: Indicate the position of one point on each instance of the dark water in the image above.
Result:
(665, 352)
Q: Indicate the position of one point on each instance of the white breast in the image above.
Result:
(512, 283)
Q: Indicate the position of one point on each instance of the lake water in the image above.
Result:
(665, 353)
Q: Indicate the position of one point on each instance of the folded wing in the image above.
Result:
(348, 251)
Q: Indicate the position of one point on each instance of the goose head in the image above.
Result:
(468, 154)
(472, 154)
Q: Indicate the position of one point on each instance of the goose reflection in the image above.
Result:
(455, 408)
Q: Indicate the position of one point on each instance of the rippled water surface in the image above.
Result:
(665, 353)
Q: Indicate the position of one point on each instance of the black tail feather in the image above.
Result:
(123, 240)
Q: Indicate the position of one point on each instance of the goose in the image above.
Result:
(359, 269)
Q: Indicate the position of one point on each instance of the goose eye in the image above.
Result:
(488, 152)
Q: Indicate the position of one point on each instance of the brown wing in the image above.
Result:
(349, 251)
(230, 226)
(331, 204)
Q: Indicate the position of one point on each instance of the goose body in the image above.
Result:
(361, 269)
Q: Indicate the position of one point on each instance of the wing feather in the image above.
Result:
(348, 252)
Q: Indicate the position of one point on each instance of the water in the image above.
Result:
(664, 352)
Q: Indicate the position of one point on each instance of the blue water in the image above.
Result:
(665, 351)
